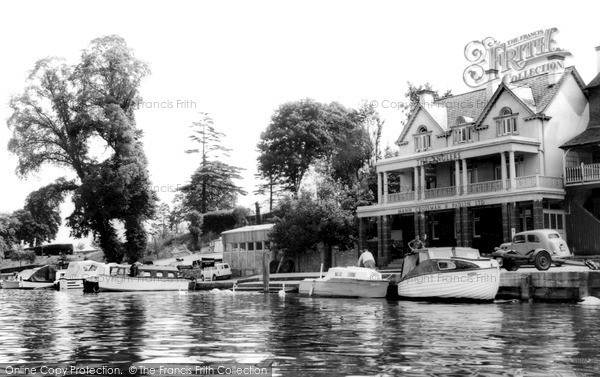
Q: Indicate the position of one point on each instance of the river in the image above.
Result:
(300, 336)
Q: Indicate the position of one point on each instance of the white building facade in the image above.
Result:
(477, 167)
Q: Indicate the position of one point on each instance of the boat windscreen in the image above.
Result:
(440, 253)
(410, 262)
(467, 253)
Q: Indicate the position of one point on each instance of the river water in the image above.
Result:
(300, 336)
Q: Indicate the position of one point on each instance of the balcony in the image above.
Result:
(524, 183)
(585, 173)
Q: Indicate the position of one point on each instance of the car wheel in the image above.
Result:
(510, 265)
(214, 277)
(543, 260)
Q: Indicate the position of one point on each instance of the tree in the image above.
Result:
(295, 138)
(304, 221)
(306, 133)
(9, 225)
(412, 94)
(195, 220)
(64, 110)
(211, 187)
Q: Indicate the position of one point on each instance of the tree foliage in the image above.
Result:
(212, 185)
(303, 221)
(304, 133)
(9, 226)
(69, 112)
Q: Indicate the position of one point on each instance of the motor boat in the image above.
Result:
(36, 278)
(131, 278)
(346, 282)
(72, 277)
(449, 273)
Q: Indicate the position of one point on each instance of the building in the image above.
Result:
(582, 176)
(477, 167)
(244, 248)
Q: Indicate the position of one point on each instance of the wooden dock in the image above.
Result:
(566, 283)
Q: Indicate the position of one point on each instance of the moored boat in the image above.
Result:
(346, 282)
(121, 278)
(35, 278)
(449, 273)
(72, 277)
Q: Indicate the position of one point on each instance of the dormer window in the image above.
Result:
(422, 139)
(463, 130)
(506, 122)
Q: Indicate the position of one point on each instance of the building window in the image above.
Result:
(250, 246)
(463, 131)
(462, 134)
(434, 228)
(476, 221)
(553, 220)
(506, 123)
(422, 139)
(259, 245)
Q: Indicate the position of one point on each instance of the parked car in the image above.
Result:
(218, 271)
(540, 247)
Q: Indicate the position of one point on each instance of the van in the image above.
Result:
(218, 271)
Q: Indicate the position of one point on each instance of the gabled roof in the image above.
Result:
(595, 82)
(501, 89)
(534, 93)
(435, 114)
(591, 136)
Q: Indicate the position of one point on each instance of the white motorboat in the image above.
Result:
(449, 273)
(346, 282)
(121, 278)
(35, 278)
(72, 277)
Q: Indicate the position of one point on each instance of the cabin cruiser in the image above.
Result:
(449, 273)
(72, 277)
(131, 278)
(346, 282)
(36, 278)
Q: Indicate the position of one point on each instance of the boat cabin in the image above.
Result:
(357, 273)
(145, 271)
(434, 259)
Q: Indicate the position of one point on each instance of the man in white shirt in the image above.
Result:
(367, 260)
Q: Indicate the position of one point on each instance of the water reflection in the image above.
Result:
(300, 335)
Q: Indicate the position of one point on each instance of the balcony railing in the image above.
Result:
(401, 197)
(441, 192)
(582, 173)
(525, 182)
(481, 187)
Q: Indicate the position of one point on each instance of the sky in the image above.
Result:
(239, 60)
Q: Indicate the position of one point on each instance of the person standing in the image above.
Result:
(416, 244)
(366, 259)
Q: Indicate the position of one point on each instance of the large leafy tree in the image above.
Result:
(304, 133)
(302, 221)
(212, 185)
(66, 115)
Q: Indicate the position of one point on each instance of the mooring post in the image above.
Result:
(266, 271)
(526, 288)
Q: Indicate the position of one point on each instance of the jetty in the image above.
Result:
(558, 284)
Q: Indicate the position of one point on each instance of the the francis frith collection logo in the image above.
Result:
(519, 58)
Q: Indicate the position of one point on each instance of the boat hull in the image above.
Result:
(140, 284)
(344, 288)
(472, 285)
(15, 284)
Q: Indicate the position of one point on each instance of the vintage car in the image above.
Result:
(218, 271)
(540, 247)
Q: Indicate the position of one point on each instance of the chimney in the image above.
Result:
(598, 59)
(556, 67)
(492, 83)
(425, 97)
